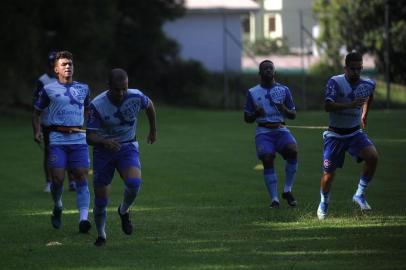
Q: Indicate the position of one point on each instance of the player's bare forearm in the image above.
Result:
(93, 139)
(331, 106)
(36, 125)
(290, 114)
(151, 115)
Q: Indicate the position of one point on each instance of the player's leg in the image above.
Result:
(289, 153)
(57, 164)
(78, 162)
(47, 170)
(72, 181)
(333, 157)
(362, 148)
(103, 165)
(130, 170)
(99, 211)
(266, 153)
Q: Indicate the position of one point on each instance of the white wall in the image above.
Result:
(200, 37)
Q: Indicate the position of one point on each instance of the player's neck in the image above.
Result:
(65, 80)
(267, 83)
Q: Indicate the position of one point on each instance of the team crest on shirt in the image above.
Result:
(277, 94)
(327, 163)
(128, 110)
(77, 94)
(53, 158)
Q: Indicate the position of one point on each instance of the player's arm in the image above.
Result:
(151, 115)
(36, 125)
(290, 114)
(332, 106)
(251, 111)
(365, 110)
(331, 94)
(92, 138)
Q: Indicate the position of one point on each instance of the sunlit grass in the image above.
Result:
(203, 206)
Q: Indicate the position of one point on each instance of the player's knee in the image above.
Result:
(267, 160)
(101, 202)
(133, 183)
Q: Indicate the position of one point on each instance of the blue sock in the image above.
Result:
(290, 172)
(324, 196)
(100, 215)
(56, 192)
(362, 185)
(132, 187)
(271, 183)
(82, 199)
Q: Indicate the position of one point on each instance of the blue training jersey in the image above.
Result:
(339, 90)
(259, 97)
(117, 122)
(42, 81)
(66, 104)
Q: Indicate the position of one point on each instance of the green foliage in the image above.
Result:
(203, 206)
(269, 46)
(359, 25)
(101, 34)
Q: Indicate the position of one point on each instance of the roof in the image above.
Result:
(221, 5)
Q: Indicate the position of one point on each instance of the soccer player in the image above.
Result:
(268, 104)
(111, 129)
(347, 100)
(47, 78)
(66, 101)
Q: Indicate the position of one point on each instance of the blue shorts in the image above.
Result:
(274, 141)
(335, 148)
(70, 156)
(105, 162)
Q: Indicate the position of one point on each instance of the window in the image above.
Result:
(271, 24)
(246, 24)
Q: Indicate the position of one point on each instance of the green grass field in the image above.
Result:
(203, 206)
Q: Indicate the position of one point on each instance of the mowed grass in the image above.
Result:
(203, 206)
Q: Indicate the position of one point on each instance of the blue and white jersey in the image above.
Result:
(339, 90)
(259, 97)
(42, 81)
(117, 122)
(66, 104)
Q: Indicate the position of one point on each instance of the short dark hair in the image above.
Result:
(265, 61)
(63, 54)
(353, 57)
(117, 74)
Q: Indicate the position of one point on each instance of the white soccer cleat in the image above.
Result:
(363, 204)
(47, 187)
(322, 211)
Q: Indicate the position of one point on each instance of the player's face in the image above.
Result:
(64, 68)
(353, 71)
(267, 71)
(118, 89)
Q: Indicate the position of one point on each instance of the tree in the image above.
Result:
(359, 25)
(101, 34)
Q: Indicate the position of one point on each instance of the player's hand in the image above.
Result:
(151, 137)
(259, 112)
(280, 107)
(358, 102)
(39, 137)
(112, 145)
(363, 121)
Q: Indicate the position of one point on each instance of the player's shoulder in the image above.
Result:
(337, 78)
(80, 84)
(255, 88)
(368, 81)
(280, 86)
(134, 91)
(99, 98)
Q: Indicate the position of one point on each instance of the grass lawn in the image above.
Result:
(203, 206)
